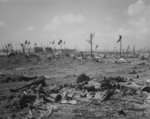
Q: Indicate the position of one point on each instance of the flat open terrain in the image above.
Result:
(66, 70)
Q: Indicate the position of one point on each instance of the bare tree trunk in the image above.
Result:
(61, 48)
(134, 49)
(91, 49)
(90, 41)
(120, 48)
(6, 47)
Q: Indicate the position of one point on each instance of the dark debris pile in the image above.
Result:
(8, 78)
(37, 100)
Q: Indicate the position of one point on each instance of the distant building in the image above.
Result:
(38, 49)
(48, 49)
(65, 50)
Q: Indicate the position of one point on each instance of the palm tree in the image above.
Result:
(60, 43)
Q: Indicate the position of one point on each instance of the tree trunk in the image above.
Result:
(91, 49)
(120, 48)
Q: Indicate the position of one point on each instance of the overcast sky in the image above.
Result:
(42, 21)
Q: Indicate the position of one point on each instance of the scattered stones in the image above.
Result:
(133, 72)
(146, 89)
(40, 99)
(121, 112)
(82, 79)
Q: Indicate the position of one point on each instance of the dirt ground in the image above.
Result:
(67, 70)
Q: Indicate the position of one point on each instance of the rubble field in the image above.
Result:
(69, 88)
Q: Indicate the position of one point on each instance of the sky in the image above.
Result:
(45, 21)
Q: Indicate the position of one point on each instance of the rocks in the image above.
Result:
(73, 102)
(131, 85)
(89, 87)
(133, 72)
(41, 99)
(122, 60)
(146, 89)
(82, 79)
(121, 112)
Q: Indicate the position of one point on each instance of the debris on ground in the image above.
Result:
(8, 78)
(122, 60)
(38, 100)
(133, 72)
(82, 79)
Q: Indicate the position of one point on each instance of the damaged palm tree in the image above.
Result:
(96, 48)
(60, 43)
(90, 41)
(7, 49)
(10, 52)
(25, 46)
(29, 47)
(119, 40)
(35, 45)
